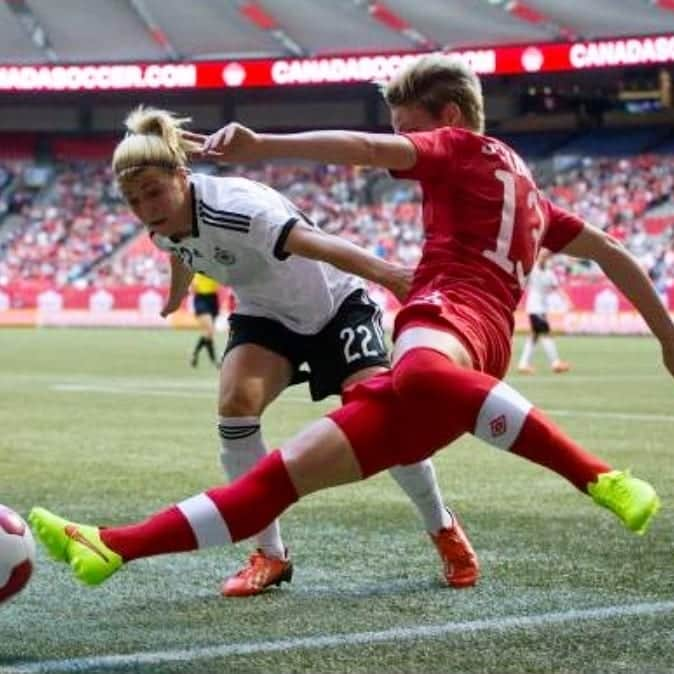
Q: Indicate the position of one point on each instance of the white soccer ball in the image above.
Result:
(17, 553)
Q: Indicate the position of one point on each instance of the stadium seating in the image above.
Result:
(73, 227)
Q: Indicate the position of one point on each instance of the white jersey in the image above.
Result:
(239, 230)
(541, 284)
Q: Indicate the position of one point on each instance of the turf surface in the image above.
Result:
(108, 426)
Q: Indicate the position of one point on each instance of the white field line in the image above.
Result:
(123, 389)
(189, 382)
(624, 416)
(10, 380)
(396, 634)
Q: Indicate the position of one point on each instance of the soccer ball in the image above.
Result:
(17, 553)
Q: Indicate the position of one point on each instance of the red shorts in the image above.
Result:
(481, 328)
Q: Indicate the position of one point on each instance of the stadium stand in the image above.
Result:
(74, 228)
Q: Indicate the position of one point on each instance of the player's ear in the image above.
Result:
(183, 177)
(451, 115)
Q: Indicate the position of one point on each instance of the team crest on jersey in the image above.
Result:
(223, 256)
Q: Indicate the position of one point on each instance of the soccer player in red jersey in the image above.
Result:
(485, 221)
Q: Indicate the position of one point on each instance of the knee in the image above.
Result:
(423, 374)
(239, 402)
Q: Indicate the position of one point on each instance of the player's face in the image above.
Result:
(160, 200)
(411, 118)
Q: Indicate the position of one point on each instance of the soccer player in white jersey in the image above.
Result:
(542, 283)
(293, 308)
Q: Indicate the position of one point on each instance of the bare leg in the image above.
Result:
(320, 457)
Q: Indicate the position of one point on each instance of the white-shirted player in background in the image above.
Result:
(292, 309)
(542, 283)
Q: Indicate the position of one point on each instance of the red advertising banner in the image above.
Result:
(509, 60)
(589, 308)
(32, 295)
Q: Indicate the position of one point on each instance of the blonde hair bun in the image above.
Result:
(153, 139)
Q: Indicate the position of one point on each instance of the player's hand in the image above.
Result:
(170, 307)
(668, 356)
(233, 142)
(399, 281)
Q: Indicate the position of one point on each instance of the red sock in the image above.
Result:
(542, 442)
(368, 419)
(216, 517)
(384, 431)
(165, 531)
(257, 498)
(436, 390)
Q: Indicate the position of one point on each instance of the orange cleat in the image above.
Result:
(459, 561)
(560, 366)
(526, 369)
(260, 572)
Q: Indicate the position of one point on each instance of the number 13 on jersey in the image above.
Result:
(509, 256)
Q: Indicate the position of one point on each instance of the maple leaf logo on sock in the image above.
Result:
(498, 426)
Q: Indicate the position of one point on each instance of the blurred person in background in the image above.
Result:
(206, 310)
(543, 282)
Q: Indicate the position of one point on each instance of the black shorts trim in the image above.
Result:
(351, 341)
(266, 332)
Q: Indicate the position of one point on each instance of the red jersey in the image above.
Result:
(484, 217)
(485, 221)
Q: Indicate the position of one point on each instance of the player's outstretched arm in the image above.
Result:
(317, 245)
(235, 142)
(181, 277)
(624, 271)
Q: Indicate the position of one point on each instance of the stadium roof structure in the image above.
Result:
(100, 31)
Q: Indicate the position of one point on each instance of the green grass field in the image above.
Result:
(108, 426)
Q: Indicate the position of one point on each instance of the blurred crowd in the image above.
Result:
(69, 224)
(618, 195)
(66, 220)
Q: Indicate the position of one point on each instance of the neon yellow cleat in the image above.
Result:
(633, 500)
(79, 545)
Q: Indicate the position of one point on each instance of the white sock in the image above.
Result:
(550, 349)
(418, 481)
(242, 447)
(527, 352)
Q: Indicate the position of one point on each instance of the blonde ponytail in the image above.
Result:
(153, 139)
